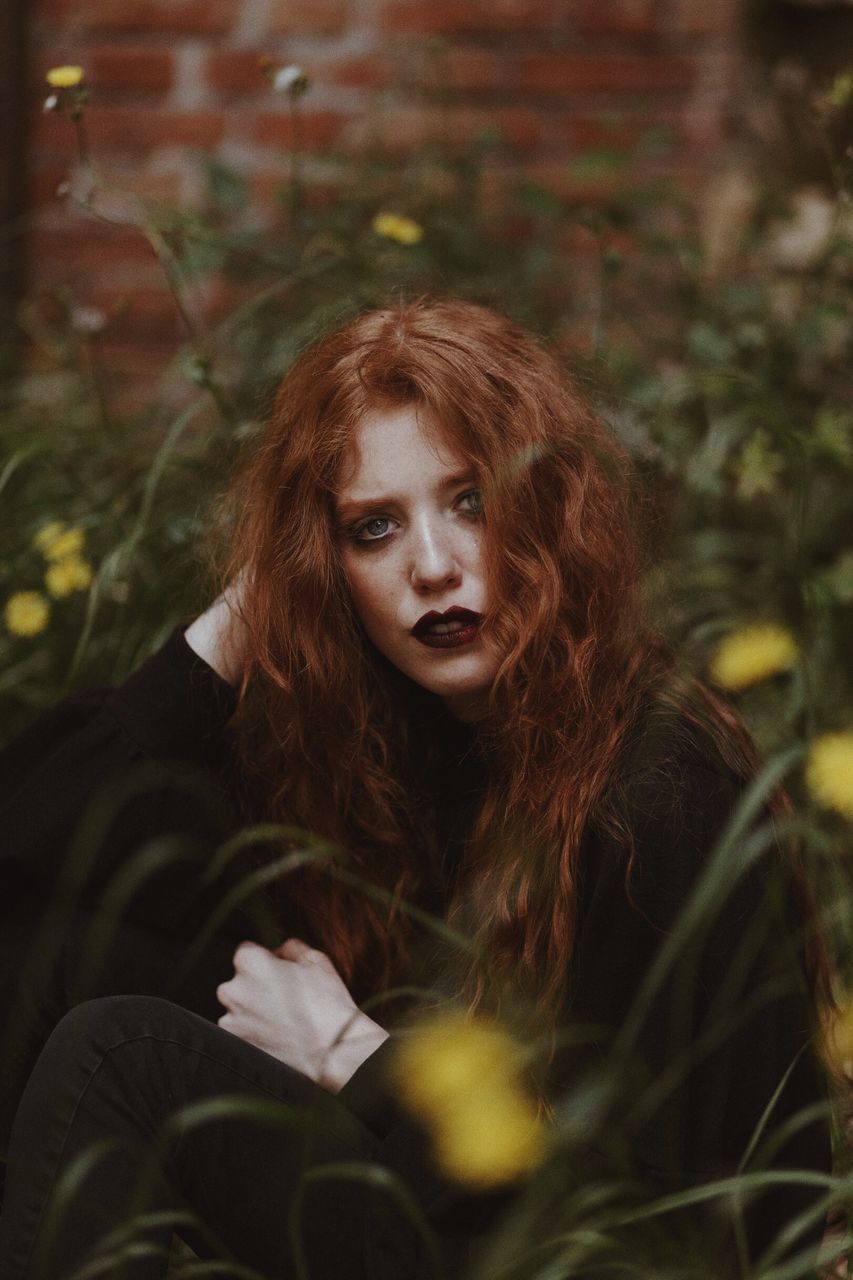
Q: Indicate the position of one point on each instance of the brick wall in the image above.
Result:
(171, 76)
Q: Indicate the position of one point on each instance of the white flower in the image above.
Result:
(289, 79)
(88, 320)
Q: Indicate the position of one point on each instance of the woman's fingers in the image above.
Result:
(249, 957)
(296, 949)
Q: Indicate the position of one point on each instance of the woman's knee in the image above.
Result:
(103, 1023)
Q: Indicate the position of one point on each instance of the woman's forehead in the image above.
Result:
(384, 435)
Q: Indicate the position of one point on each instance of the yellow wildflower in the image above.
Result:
(56, 541)
(751, 654)
(67, 77)
(395, 227)
(26, 613)
(493, 1138)
(836, 1040)
(829, 771)
(461, 1077)
(71, 573)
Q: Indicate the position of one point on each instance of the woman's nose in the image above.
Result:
(434, 561)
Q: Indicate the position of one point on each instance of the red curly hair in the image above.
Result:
(324, 722)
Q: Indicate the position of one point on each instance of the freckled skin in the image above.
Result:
(419, 551)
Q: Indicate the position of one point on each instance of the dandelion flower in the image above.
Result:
(751, 654)
(461, 1077)
(67, 77)
(290, 79)
(836, 1042)
(494, 1138)
(26, 613)
(71, 573)
(56, 541)
(829, 771)
(395, 227)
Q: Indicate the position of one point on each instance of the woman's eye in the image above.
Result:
(367, 528)
(476, 501)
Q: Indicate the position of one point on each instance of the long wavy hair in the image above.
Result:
(325, 723)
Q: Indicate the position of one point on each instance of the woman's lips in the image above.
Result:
(449, 639)
(455, 627)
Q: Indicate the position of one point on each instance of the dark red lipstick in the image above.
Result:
(425, 631)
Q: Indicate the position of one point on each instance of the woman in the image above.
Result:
(434, 659)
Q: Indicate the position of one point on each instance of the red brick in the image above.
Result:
(696, 18)
(86, 245)
(408, 128)
(623, 132)
(136, 363)
(42, 184)
(128, 69)
(366, 72)
(441, 17)
(153, 17)
(560, 178)
(704, 128)
(120, 130)
(616, 17)
(45, 179)
(236, 71)
(316, 130)
(304, 17)
(469, 70)
(139, 312)
(51, 134)
(566, 72)
(127, 131)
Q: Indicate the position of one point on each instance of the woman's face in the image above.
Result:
(409, 531)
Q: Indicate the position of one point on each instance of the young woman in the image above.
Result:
(433, 657)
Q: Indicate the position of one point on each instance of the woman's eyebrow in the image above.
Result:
(351, 503)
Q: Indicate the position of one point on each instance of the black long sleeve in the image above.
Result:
(126, 784)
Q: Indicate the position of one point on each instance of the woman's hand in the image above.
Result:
(292, 1003)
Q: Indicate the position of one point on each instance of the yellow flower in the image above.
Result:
(495, 1137)
(26, 613)
(56, 541)
(64, 77)
(836, 1039)
(395, 227)
(753, 653)
(71, 573)
(461, 1077)
(829, 772)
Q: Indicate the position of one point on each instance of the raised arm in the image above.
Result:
(217, 634)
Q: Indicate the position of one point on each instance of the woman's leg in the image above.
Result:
(45, 972)
(120, 1071)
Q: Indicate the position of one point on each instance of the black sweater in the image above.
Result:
(150, 761)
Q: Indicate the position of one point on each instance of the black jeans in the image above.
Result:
(53, 957)
(118, 1123)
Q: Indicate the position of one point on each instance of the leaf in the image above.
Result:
(832, 433)
(758, 467)
(707, 344)
(704, 467)
(597, 164)
(226, 187)
(839, 578)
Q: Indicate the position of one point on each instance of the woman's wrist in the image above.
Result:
(362, 1038)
